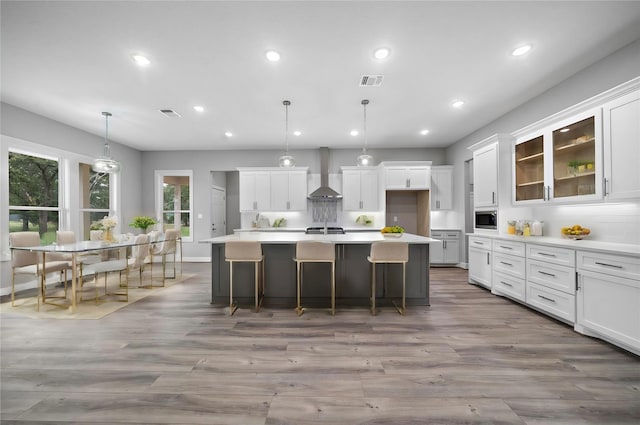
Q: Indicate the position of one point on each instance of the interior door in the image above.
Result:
(218, 211)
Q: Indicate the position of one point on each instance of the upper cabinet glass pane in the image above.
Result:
(574, 159)
(530, 169)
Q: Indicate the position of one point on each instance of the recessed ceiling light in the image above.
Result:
(198, 108)
(141, 60)
(272, 55)
(353, 132)
(297, 133)
(424, 132)
(457, 104)
(381, 53)
(521, 50)
(564, 130)
(228, 134)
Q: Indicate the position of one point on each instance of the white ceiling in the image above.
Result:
(72, 60)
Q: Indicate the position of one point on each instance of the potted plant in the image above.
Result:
(142, 222)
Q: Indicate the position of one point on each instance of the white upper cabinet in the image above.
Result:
(360, 189)
(273, 189)
(288, 190)
(442, 187)
(255, 190)
(485, 176)
(622, 147)
(561, 162)
(407, 177)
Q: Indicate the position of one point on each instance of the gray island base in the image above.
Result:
(353, 271)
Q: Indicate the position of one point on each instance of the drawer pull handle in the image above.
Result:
(548, 299)
(506, 264)
(546, 274)
(478, 243)
(505, 247)
(609, 265)
(505, 283)
(546, 254)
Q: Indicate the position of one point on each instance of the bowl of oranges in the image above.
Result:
(575, 232)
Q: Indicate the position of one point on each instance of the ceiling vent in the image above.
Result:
(170, 113)
(371, 80)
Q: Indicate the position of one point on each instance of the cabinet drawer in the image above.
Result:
(509, 264)
(617, 265)
(556, 303)
(481, 243)
(509, 247)
(553, 276)
(510, 286)
(564, 257)
(437, 235)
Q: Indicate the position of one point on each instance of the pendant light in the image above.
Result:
(286, 160)
(106, 164)
(365, 159)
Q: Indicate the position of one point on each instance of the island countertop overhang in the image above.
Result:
(293, 237)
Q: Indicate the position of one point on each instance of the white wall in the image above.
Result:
(608, 221)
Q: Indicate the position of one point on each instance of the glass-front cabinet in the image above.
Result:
(561, 163)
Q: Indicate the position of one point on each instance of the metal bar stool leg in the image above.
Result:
(299, 309)
(232, 307)
(373, 289)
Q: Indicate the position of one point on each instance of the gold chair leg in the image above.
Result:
(299, 309)
(232, 307)
(13, 288)
(256, 285)
(373, 290)
(333, 288)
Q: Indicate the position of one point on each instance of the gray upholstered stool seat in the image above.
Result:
(388, 252)
(315, 252)
(245, 252)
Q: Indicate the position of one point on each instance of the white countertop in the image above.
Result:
(302, 229)
(584, 244)
(293, 237)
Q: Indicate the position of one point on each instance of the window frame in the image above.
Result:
(159, 197)
(68, 186)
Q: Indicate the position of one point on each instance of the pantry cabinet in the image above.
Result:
(621, 122)
(560, 163)
(441, 187)
(360, 189)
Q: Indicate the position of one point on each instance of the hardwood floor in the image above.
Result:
(469, 358)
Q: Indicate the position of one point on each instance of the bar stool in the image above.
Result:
(388, 252)
(315, 252)
(245, 252)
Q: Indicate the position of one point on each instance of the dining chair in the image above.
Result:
(315, 252)
(167, 247)
(388, 252)
(29, 263)
(140, 251)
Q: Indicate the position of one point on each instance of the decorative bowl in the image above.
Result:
(392, 235)
(576, 237)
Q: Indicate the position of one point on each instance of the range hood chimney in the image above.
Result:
(324, 192)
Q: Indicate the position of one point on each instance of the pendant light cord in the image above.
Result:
(365, 102)
(286, 125)
(107, 148)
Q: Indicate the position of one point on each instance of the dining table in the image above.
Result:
(82, 247)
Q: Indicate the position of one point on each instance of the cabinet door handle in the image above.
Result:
(288, 205)
(438, 205)
(488, 254)
(493, 197)
(606, 187)
(444, 244)
(546, 298)
(609, 265)
(548, 193)
(544, 254)
(505, 247)
(546, 274)
(360, 204)
(506, 264)
(408, 182)
(255, 205)
(505, 283)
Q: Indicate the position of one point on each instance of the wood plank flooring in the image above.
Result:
(469, 358)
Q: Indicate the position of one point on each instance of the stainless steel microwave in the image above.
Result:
(486, 219)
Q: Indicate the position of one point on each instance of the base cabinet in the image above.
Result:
(447, 252)
(608, 298)
(480, 268)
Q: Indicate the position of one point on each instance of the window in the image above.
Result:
(34, 194)
(173, 201)
(94, 197)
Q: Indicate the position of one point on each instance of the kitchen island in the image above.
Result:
(353, 271)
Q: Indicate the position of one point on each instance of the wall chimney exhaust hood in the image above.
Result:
(324, 192)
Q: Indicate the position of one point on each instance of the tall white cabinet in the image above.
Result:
(485, 174)
(621, 123)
